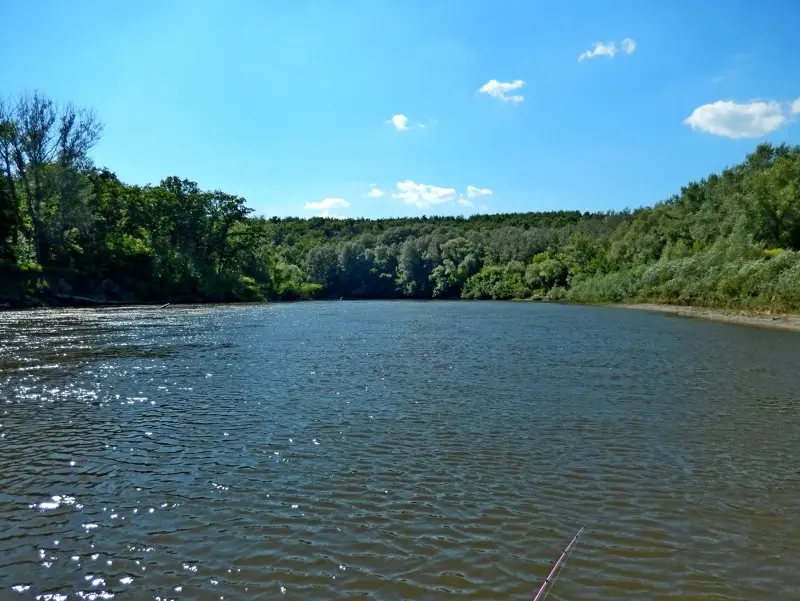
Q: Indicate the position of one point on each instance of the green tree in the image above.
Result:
(49, 147)
(772, 197)
(460, 259)
(545, 272)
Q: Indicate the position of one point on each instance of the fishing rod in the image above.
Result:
(551, 577)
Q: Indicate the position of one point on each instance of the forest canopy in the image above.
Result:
(69, 228)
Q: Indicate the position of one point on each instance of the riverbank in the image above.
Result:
(73, 289)
(763, 320)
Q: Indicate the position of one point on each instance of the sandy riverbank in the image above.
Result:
(779, 322)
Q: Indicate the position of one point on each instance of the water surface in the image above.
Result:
(395, 450)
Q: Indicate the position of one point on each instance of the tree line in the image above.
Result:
(69, 229)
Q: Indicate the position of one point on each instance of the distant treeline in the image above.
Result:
(70, 229)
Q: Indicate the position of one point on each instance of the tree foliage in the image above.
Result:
(732, 239)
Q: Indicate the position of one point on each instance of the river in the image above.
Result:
(396, 450)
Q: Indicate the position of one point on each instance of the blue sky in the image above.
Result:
(290, 103)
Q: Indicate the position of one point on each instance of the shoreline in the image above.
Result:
(781, 321)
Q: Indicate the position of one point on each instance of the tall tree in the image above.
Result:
(49, 148)
(9, 205)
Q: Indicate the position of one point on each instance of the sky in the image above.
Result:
(372, 108)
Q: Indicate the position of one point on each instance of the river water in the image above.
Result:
(396, 450)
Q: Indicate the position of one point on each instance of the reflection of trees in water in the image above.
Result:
(63, 358)
(54, 341)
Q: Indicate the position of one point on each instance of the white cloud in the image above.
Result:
(796, 107)
(628, 45)
(484, 208)
(465, 203)
(376, 192)
(400, 122)
(738, 121)
(601, 49)
(500, 90)
(473, 192)
(422, 196)
(327, 204)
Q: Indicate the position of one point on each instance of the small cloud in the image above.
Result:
(717, 78)
(400, 122)
(422, 196)
(500, 90)
(484, 208)
(796, 107)
(473, 192)
(421, 125)
(465, 203)
(601, 49)
(737, 121)
(327, 204)
(628, 45)
(376, 192)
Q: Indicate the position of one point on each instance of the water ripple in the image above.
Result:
(395, 451)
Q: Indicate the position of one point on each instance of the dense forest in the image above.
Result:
(71, 232)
